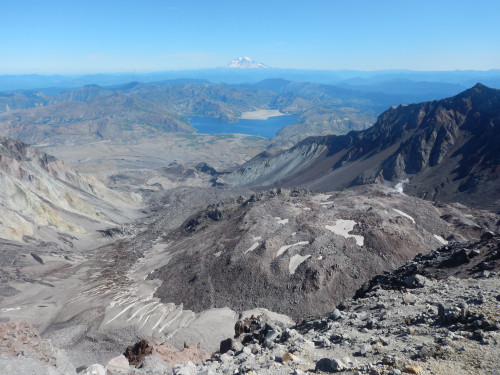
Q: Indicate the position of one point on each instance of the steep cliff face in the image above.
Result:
(41, 197)
(448, 149)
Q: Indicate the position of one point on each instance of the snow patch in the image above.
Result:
(279, 220)
(10, 309)
(252, 248)
(282, 249)
(400, 185)
(218, 254)
(441, 239)
(343, 227)
(405, 215)
(296, 261)
(321, 197)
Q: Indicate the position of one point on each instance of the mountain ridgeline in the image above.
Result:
(449, 150)
(144, 110)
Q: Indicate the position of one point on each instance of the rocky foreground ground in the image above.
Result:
(438, 314)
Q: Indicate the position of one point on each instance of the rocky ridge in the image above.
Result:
(447, 149)
(289, 250)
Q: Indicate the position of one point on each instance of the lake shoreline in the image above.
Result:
(266, 128)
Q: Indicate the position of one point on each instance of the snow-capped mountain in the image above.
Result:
(246, 63)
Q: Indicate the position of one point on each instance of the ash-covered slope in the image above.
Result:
(446, 322)
(439, 324)
(448, 149)
(42, 198)
(300, 253)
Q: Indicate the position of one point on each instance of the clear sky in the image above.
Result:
(91, 36)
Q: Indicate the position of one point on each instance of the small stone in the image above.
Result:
(485, 274)
(416, 281)
(463, 310)
(330, 365)
(154, 364)
(413, 369)
(249, 367)
(95, 369)
(247, 350)
(269, 344)
(188, 369)
(395, 371)
(287, 357)
(237, 346)
(474, 253)
(365, 349)
(119, 363)
(409, 299)
(226, 345)
(347, 361)
(272, 335)
(335, 314)
(384, 340)
(389, 360)
(269, 364)
(460, 257)
(487, 266)
(478, 335)
(487, 235)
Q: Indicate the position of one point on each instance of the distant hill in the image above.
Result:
(90, 114)
(449, 150)
(369, 79)
(137, 110)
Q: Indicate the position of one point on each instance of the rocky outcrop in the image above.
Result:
(23, 351)
(442, 324)
(137, 352)
(299, 253)
(447, 149)
(474, 258)
(42, 198)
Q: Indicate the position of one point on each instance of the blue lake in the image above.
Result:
(263, 128)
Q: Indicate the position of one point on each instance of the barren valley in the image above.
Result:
(130, 244)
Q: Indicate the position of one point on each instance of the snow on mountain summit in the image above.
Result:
(246, 63)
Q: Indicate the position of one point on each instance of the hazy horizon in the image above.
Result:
(93, 37)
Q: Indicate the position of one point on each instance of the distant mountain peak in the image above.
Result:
(479, 92)
(246, 63)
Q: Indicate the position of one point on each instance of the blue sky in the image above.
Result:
(74, 36)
